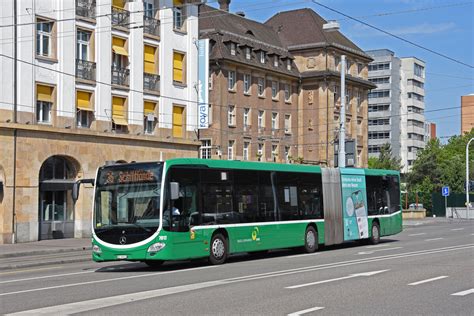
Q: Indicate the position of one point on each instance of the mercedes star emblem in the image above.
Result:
(123, 240)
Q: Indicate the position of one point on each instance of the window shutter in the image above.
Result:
(118, 111)
(83, 100)
(149, 60)
(178, 121)
(178, 67)
(44, 93)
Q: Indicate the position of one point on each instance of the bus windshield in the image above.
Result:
(127, 202)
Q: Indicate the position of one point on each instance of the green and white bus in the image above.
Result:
(192, 208)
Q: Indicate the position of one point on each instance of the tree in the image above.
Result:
(386, 160)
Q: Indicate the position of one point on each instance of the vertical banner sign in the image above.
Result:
(354, 205)
(203, 83)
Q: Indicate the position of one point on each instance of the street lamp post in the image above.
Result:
(342, 128)
(467, 176)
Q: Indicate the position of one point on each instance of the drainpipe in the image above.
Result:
(15, 119)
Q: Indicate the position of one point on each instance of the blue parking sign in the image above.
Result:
(445, 191)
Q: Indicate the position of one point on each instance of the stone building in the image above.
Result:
(91, 83)
(275, 88)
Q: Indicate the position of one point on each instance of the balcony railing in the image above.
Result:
(120, 17)
(151, 82)
(85, 8)
(85, 69)
(120, 76)
(151, 26)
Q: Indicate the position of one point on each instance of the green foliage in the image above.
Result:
(438, 165)
(386, 160)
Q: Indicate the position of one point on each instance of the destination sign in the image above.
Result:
(109, 177)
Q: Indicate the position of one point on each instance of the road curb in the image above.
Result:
(46, 263)
(43, 252)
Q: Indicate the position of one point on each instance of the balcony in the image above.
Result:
(120, 17)
(151, 26)
(120, 76)
(85, 70)
(85, 8)
(151, 82)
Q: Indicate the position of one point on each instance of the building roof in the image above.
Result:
(222, 27)
(303, 28)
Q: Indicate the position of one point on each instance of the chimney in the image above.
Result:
(224, 5)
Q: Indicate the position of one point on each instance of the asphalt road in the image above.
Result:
(425, 270)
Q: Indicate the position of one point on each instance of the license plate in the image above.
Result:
(122, 257)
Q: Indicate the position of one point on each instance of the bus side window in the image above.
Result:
(310, 196)
(246, 195)
(266, 204)
(287, 192)
(185, 209)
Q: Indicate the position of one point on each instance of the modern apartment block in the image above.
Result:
(93, 81)
(275, 88)
(467, 113)
(396, 106)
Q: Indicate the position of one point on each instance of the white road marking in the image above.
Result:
(419, 234)
(303, 255)
(433, 239)
(117, 300)
(104, 280)
(378, 246)
(305, 311)
(45, 277)
(84, 306)
(457, 229)
(429, 280)
(350, 276)
(372, 251)
(463, 293)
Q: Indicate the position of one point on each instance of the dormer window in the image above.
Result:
(288, 64)
(275, 61)
(262, 56)
(248, 53)
(232, 49)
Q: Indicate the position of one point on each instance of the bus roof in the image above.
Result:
(267, 166)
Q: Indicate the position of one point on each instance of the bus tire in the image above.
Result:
(154, 263)
(310, 240)
(218, 249)
(375, 234)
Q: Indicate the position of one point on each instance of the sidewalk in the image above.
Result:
(44, 252)
(431, 221)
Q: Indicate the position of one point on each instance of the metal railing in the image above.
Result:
(85, 69)
(86, 8)
(151, 26)
(120, 17)
(120, 76)
(151, 82)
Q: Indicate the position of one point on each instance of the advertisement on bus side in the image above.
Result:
(354, 206)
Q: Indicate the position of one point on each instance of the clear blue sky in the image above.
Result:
(445, 26)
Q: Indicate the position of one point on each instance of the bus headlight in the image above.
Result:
(156, 247)
(96, 249)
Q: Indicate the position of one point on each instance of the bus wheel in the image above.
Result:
(218, 249)
(310, 240)
(375, 238)
(154, 263)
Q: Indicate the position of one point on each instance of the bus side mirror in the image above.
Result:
(174, 190)
(75, 191)
(77, 185)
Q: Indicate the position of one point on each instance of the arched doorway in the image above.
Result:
(56, 207)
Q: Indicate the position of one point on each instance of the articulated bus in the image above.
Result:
(183, 209)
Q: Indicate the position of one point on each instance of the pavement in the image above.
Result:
(60, 251)
(44, 252)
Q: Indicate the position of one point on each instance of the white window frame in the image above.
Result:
(231, 80)
(262, 57)
(288, 64)
(149, 124)
(43, 109)
(80, 43)
(274, 121)
(287, 123)
(206, 149)
(260, 151)
(261, 119)
(230, 150)
(178, 18)
(275, 61)
(287, 93)
(149, 9)
(233, 47)
(41, 36)
(247, 80)
(248, 53)
(287, 154)
(246, 117)
(245, 152)
(231, 115)
(82, 116)
(274, 89)
(261, 87)
(274, 152)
